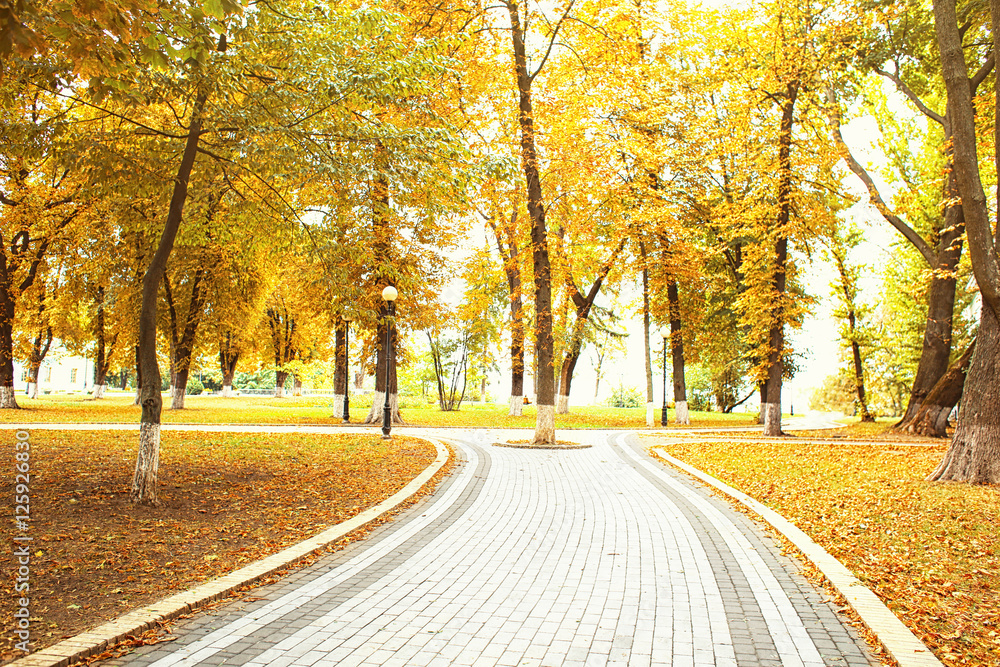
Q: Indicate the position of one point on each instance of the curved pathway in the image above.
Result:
(598, 556)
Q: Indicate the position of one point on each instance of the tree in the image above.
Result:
(932, 418)
(145, 479)
(38, 327)
(974, 453)
(507, 234)
(545, 433)
(838, 246)
(43, 202)
(941, 249)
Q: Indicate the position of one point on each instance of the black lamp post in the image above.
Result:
(347, 367)
(663, 413)
(389, 294)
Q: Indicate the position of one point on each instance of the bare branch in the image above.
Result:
(833, 115)
(903, 88)
(552, 40)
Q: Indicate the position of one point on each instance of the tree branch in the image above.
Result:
(981, 74)
(552, 40)
(833, 115)
(903, 88)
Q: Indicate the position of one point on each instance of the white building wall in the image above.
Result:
(60, 372)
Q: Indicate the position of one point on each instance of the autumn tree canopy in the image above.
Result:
(234, 181)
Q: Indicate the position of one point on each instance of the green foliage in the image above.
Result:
(417, 379)
(837, 394)
(194, 386)
(701, 391)
(626, 397)
(262, 379)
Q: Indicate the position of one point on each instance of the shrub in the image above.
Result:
(626, 397)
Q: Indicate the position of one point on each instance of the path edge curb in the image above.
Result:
(94, 641)
(898, 640)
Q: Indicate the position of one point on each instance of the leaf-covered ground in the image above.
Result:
(881, 430)
(930, 551)
(227, 500)
(118, 408)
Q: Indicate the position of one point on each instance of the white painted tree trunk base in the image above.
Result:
(772, 419)
(562, 404)
(147, 466)
(279, 392)
(650, 414)
(338, 406)
(516, 407)
(7, 398)
(138, 397)
(32, 390)
(683, 416)
(545, 426)
(227, 391)
(375, 414)
(177, 399)
(99, 390)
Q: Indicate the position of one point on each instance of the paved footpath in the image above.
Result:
(598, 556)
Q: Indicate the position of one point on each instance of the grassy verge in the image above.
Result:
(319, 410)
(226, 500)
(880, 429)
(930, 551)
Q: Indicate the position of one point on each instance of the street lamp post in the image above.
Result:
(347, 367)
(389, 294)
(663, 413)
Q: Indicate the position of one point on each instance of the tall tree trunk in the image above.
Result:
(677, 355)
(147, 463)
(932, 420)
(283, 326)
(598, 374)
(974, 454)
(105, 351)
(173, 336)
(280, 380)
(507, 246)
(39, 348)
(138, 377)
(545, 425)
(859, 371)
(775, 360)
(229, 356)
(340, 369)
(184, 347)
(378, 403)
(7, 399)
(647, 353)
(936, 349)
(568, 367)
(296, 385)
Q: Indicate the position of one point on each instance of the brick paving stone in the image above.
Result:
(597, 556)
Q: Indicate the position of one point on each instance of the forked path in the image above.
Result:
(599, 556)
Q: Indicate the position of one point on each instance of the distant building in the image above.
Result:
(61, 372)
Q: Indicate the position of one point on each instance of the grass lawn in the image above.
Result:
(226, 500)
(118, 408)
(930, 551)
